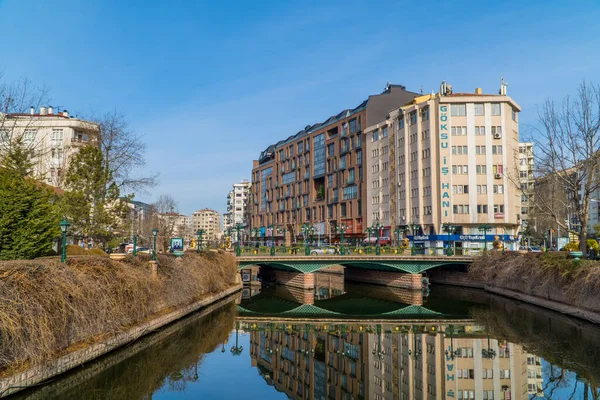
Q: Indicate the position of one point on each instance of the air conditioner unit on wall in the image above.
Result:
(497, 135)
(498, 176)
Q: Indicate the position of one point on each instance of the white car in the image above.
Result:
(324, 250)
(144, 250)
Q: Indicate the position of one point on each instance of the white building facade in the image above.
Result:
(452, 159)
(208, 220)
(52, 139)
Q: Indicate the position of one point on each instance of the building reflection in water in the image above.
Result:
(326, 344)
(388, 361)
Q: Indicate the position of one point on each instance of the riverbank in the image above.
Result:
(55, 316)
(549, 280)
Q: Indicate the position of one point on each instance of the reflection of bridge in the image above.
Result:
(399, 271)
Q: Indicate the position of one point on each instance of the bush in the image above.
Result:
(592, 244)
(47, 306)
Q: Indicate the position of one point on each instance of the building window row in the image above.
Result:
(460, 209)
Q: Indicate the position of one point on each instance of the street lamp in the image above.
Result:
(369, 232)
(448, 228)
(64, 226)
(199, 233)
(307, 230)
(489, 352)
(377, 226)
(238, 250)
(284, 231)
(255, 233)
(134, 245)
(236, 350)
(485, 228)
(154, 233)
(341, 230)
(452, 353)
(273, 227)
(414, 228)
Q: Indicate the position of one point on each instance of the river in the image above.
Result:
(349, 341)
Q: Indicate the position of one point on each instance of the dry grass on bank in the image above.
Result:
(547, 275)
(46, 306)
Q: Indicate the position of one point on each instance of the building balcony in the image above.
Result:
(81, 141)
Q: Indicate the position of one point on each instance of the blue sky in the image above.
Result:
(210, 84)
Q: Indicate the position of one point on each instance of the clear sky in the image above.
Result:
(211, 84)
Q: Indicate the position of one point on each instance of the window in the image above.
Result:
(480, 150)
(401, 123)
(384, 132)
(330, 149)
(460, 189)
(458, 110)
(460, 209)
(425, 134)
(482, 208)
(353, 126)
(384, 166)
(425, 114)
(57, 135)
(458, 131)
(413, 117)
(426, 153)
(460, 169)
(481, 189)
(350, 192)
(459, 150)
(343, 209)
(498, 189)
(514, 115)
(375, 136)
(480, 131)
(478, 108)
(300, 147)
(359, 157)
(498, 208)
(426, 172)
(481, 169)
(319, 165)
(29, 135)
(496, 109)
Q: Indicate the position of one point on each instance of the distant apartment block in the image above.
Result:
(237, 206)
(51, 138)
(210, 221)
(446, 158)
(316, 176)
(526, 180)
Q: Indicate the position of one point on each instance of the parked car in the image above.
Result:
(533, 249)
(144, 250)
(324, 250)
(383, 241)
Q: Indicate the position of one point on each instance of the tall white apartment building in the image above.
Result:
(208, 220)
(237, 206)
(452, 158)
(526, 179)
(52, 139)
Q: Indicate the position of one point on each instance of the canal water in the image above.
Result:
(349, 341)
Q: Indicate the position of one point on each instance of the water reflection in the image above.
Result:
(344, 341)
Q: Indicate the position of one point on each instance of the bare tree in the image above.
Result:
(20, 147)
(124, 152)
(568, 151)
(165, 219)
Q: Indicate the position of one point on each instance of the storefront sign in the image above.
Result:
(462, 238)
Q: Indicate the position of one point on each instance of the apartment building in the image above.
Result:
(52, 139)
(316, 176)
(210, 221)
(526, 180)
(447, 158)
(178, 224)
(237, 206)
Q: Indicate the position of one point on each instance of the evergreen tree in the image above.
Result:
(92, 202)
(28, 217)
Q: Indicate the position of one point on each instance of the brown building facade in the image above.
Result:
(316, 176)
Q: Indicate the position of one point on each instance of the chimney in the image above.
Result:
(478, 90)
(42, 110)
(32, 110)
(50, 110)
(65, 113)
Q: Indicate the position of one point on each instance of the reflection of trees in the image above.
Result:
(172, 363)
(563, 342)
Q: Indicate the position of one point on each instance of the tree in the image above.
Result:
(28, 217)
(92, 201)
(165, 219)
(123, 152)
(567, 152)
(17, 149)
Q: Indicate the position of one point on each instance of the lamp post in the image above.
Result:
(452, 353)
(236, 350)
(199, 233)
(238, 250)
(485, 228)
(414, 228)
(448, 228)
(398, 231)
(255, 233)
(134, 245)
(377, 226)
(64, 226)
(306, 230)
(489, 352)
(154, 233)
(369, 232)
(341, 230)
(273, 227)
(284, 231)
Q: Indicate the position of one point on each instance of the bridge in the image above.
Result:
(396, 271)
(310, 264)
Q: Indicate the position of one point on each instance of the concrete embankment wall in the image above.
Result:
(41, 373)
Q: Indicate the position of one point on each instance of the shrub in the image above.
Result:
(572, 246)
(592, 244)
(47, 306)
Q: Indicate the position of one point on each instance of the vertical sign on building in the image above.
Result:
(444, 161)
(450, 372)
